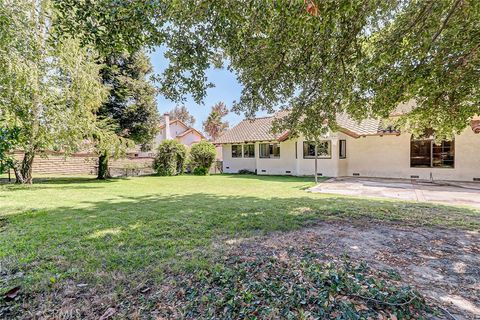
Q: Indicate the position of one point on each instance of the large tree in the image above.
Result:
(181, 113)
(49, 84)
(214, 126)
(131, 109)
(321, 58)
(113, 26)
(317, 58)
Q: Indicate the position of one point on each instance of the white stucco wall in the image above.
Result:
(278, 166)
(389, 156)
(233, 165)
(372, 156)
(175, 129)
(190, 139)
(327, 167)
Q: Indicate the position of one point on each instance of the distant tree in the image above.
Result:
(50, 86)
(130, 110)
(214, 126)
(181, 113)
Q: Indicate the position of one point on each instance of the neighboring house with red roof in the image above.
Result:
(370, 148)
(176, 129)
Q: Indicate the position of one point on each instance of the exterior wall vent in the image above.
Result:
(414, 177)
(264, 170)
(356, 174)
(227, 167)
(320, 174)
(288, 171)
(476, 179)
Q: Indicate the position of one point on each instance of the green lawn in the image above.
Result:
(87, 231)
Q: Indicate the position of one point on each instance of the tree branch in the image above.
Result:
(444, 24)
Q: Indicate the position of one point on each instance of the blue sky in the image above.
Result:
(227, 89)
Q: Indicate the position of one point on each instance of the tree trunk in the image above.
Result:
(103, 167)
(24, 175)
(18, 174)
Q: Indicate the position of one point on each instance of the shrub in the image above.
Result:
(200, 171)
(245, 171)
(202, 156)
(170, 159)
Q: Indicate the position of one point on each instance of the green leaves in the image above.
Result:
(9, 139)
(297, 287)
(170, 159)
(359, 57)
(50, 85)
(202, 155)
(131, 106)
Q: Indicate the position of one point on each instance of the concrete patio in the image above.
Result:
(453, 193)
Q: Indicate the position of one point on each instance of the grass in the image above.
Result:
(81, 230)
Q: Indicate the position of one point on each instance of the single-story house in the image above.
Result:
(369, 148)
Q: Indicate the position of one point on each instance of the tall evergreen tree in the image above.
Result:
(130, 109)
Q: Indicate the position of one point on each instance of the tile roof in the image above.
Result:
(260, 129)
(365, 127)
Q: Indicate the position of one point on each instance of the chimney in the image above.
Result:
(167, 135)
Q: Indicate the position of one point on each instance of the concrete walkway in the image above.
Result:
(453, 193)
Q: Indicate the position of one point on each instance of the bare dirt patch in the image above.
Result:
(442, 264)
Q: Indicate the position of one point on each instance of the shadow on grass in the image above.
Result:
(63, 183)
(274, 178)
(132, 234)
(118, 243)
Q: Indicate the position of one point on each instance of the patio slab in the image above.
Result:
(453, 193)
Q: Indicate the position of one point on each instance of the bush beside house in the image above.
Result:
(170, 159)
(202, 156)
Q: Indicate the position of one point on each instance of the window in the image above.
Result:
(342, 149)
(323, 149)
(249, 151)
(236, 150)
(420, 153)
(443, 154)
(269, 150)
(426, 153)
